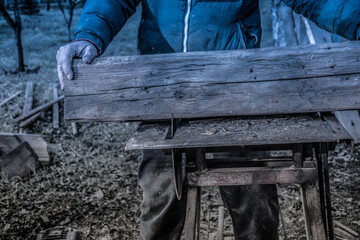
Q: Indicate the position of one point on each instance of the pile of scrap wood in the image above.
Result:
(22, 153)
(29, 115)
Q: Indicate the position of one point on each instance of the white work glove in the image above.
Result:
(64, 56)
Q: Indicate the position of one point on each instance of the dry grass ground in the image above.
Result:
(92, 183)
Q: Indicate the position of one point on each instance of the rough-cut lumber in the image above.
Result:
(55, 113)
(253, 175)
(28, 121)
(219, 83)
(314, 224)
(9, 141)
(191, 213)
(29, 100)
(342, 234)
(29, 97)
(346, 228)
(221, 223)
(11, 97)
(243, 131)
(20, 161)
(38, 109)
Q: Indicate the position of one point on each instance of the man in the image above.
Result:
(196, 25)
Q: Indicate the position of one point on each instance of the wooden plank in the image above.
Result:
(245, 131)
(346, 228)
(11, 97)
(221, 223)
(55, 113)
(8, 141)
(29, 97)
(29, 100)
(342, 234)
(28, 121)
(38, 109)
(220, 83)
(19, 162)
(315, 229)
(191, 212)
(253, 175)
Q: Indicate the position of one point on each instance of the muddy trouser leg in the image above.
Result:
(162, 215)
(254, 210)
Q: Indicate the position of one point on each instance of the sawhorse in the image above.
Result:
(195, 144)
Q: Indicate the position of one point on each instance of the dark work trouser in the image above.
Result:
(254, 208)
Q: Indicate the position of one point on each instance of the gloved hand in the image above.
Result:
(64, 56)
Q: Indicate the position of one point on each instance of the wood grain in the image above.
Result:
(221, 83)
(254, 175)
(244, 131)
(28, 102)
(315, 228)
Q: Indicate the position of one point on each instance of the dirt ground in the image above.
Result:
(92, 183)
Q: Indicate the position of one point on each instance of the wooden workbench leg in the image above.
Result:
(315, 229)
(191, 224)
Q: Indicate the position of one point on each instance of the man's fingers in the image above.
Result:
(61, 77)
(89, 53)
(64, 58)
(66, 67)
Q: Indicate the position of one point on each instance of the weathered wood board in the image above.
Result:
(9, 141)
(20, 161)
(243, 131)
(249, 176)
(221, 83)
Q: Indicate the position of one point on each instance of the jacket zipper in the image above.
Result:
(186, 28)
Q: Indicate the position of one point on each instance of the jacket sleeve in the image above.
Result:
(337, 16)
(101, 20)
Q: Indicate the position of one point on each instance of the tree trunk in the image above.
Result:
(16, 26)
(48, 5)
(71, 13)
(17, 31)
(21, 65)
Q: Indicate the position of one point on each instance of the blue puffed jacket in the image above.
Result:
(202, 25)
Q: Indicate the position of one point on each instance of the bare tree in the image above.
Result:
(15, 24)
(68, 19)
